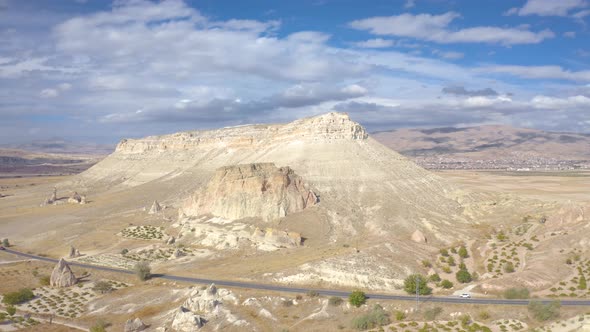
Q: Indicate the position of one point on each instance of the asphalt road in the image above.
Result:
(327, 292)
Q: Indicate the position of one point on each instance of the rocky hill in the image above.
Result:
(490, 147)
(364, 186)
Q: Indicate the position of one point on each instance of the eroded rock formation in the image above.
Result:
(75, 198)
(252, 190)
(205, 305)
(155, 208)
(277, 238)
(62, 275)
(134, 325)
(74, 253)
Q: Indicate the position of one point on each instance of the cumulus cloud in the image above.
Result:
(49, 93)
(219, 110)
(536, 72)
(375, 43)
(548, 7)
(461, 91)
(435, 28)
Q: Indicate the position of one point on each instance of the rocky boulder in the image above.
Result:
(74, 253)
(185, 320)
(75, 198)
(134, 325)
(419, 237)
(62, 275)
(156, 208)
(252, 190)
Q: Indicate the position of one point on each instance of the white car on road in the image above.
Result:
(465, 295)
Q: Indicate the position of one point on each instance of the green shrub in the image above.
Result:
(426, 263)
(508, 267)
(544, 311)
(451, 261)
(375, 318)
(463, 252)
(102, 287)
(463, 276)
(5, 243)
(444, 252)
(582, 283)
(10, 310)
(400, 315)
(484, 315)
(517, 293)
(416, 281)
(124, 251)
(446, 284)
(142, 270)
(335, 301)
(19, 297)
(99, 326)
(434, 277)
(357, 298)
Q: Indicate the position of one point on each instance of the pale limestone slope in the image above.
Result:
(364, 186)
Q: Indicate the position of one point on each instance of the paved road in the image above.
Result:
(327, 292)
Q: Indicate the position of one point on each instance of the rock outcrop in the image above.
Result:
(252, 190)
(156, 208)
(203, 306)
(419, 237)
(177, 254)
(75, 198)
(74, 253)
(277, 238)
(134, 325)
(62, 275)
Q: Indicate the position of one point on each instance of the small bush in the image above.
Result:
(99, 326)
(508, 267)
(375, 318)
(544, 311)
(446, 284)
(143, 270)
(517, 293)
(444, 252)
(463, 252)
(103, 287)
(426, 263)
(582, 283)
(484, 315)
(463, 276)
(19, 297)
(434, 277)
(400, 315)
(124, 251)
(417, 281)
(5, 243)
(335, 301)
(357, 298)
(10, 310)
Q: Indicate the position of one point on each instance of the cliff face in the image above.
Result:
(331, 126)
(252, 190)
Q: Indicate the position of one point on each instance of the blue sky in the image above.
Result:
(101, 71)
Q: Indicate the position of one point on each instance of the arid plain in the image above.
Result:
(314, 204)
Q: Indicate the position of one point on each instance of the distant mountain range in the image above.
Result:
(61, 146)
(490, 147)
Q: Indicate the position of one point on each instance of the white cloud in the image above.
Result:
(581, 14)
(375, 43)
(49, 93)
(435, 28)
(551, 7)
(64, 86)
(569, 34)
(538, 72)
(560, 103)
(410, 3)
(451, 55)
